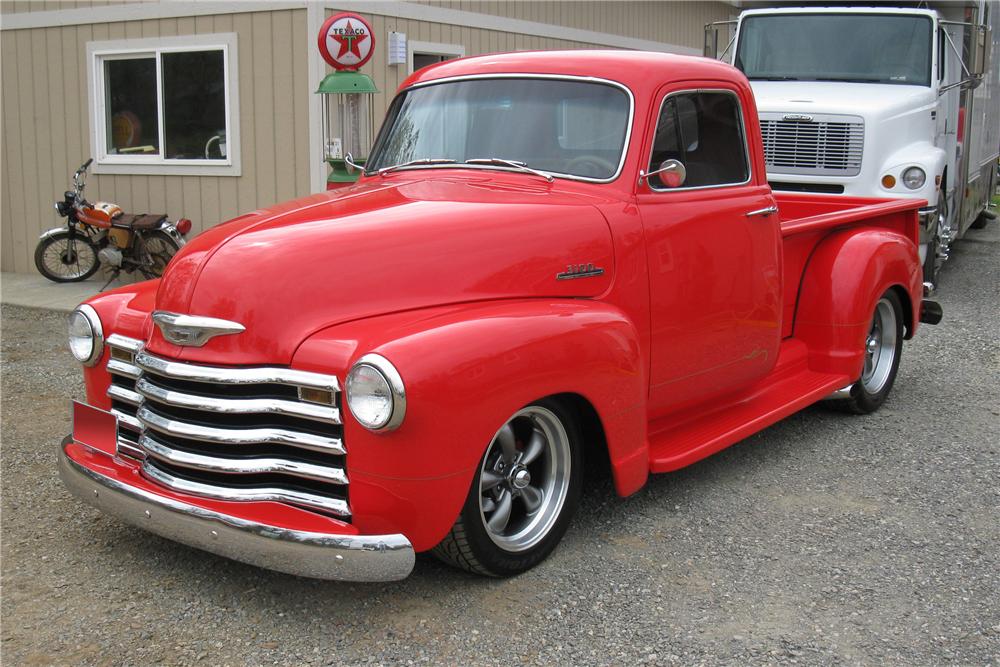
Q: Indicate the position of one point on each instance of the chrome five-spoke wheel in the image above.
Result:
(523, 496)
(882, 349)
(525, 478)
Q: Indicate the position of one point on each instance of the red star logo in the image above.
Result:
(349, 41)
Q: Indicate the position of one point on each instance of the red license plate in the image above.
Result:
(96, 428)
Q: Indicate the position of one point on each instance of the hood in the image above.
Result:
(378, 247)
(876, 102)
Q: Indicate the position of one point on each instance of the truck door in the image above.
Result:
(713, 248)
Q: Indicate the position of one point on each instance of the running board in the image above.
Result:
(675, 442)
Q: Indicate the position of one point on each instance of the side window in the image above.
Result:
(701, 130)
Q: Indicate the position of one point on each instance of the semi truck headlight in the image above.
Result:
(86, 337)
(375, 393)
(914, 178)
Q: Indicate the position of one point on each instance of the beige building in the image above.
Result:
(140, 85)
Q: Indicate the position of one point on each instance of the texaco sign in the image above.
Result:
(346, 41)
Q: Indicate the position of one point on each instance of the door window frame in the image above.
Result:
(648, 188)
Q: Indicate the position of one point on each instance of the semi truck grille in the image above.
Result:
(230, 433)
(816, 145)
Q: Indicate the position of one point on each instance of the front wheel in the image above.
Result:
(66, 259)
(523, 496)
(883, 348)
(158, 249)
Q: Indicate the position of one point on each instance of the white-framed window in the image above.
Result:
(166, 105)
(422, 54)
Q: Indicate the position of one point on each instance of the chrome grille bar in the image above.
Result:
(124, 343)
(193, 373)
(332, 505)
(238, 434)
(116, 367)
(124, 395)
(125, 419)
(245, 466)
(234, 436)
(330, 415)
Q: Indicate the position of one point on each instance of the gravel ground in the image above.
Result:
(825, 540)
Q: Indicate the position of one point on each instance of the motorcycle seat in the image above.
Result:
(139, 222)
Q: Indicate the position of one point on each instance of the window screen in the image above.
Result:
(701, 130)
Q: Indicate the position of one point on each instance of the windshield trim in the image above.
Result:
(914, 14)
(526, 75)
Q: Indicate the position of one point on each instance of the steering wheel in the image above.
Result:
(592, 164)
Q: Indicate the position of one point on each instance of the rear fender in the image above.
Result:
(466, 369)
(843, 280)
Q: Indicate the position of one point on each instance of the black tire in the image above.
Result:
(65, 260)
(472, 544)
(159, 247)
(873, 387)
(983, 219)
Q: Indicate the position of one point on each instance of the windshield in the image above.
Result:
(870, 48)
(563, 127)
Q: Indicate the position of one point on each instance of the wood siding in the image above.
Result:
(46, 126)
(680, 23)
(45, 115)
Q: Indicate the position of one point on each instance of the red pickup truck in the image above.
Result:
(552, 261)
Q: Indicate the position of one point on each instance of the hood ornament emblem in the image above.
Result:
(803, 117)
(193, 330)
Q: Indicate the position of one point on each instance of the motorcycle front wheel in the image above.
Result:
(160, 247)
(62, 259)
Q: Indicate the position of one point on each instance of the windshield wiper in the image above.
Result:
(521, 166)
(773, 78)
(414, 163)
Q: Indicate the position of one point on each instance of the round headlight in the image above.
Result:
(375, 393)
(914, 178)
(86, 337)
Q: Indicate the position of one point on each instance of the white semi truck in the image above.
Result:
(885, 101)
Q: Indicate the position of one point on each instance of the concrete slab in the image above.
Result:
(34, 291)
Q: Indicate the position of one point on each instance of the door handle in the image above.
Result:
(764, 212)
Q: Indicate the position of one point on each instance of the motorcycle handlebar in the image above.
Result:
(86, 164)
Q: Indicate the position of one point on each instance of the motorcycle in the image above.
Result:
(102, 234)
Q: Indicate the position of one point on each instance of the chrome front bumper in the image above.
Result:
(306, 554)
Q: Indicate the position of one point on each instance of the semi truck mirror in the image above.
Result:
(981, 54)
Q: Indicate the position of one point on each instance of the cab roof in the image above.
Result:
(635, 69)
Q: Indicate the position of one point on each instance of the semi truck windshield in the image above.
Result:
(869, 48)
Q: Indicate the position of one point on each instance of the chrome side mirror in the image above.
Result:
(672, 174)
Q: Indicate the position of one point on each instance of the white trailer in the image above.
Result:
(885, 101)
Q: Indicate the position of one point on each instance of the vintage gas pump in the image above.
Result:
(346, 42)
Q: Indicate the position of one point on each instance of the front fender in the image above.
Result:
(846, 275)
(466, 370)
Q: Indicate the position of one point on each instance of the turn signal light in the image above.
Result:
(888, 181)
(183, 226)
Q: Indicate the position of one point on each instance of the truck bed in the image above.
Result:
(807, 219)
(680, 439)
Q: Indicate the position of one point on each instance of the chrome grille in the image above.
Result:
(237, 434)
(824, 146)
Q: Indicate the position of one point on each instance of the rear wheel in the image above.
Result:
(65, 259)
(160, 247)
(883, 348)
(523, 496)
